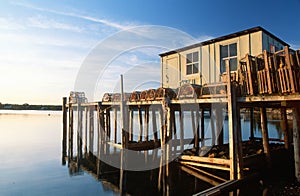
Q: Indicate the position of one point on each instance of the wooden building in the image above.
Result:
(204, 62)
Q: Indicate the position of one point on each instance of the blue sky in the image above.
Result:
(44, 43)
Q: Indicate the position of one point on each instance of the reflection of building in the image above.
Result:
(205, 62)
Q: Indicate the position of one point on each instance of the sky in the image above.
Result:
(46, 45)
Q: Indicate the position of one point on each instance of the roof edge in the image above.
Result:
(229, 36)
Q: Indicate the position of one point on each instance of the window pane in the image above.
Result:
(189, 69)
(233, 49)
(195, 57)
(224, 51)
(233, 64)
(223, 66)
(195, 68)
(189, 58)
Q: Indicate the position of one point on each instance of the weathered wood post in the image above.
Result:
(140, 123)
(181, 128)
(115, 124)
(236, 159)
(296, 139)
(131, 125)
(154, 125)
(146, 123)
(79, 130)
(91, 131)
(265, 134)
(196, 145)
(71, 118)
(284, 126)
(64, 140)
(212, 126)
(202, 128)
(85, 129)
(251, 123)
(219, 125)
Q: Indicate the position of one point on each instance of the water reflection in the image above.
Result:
(168, 179)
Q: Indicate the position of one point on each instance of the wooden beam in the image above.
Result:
(146, 124)
(200, 176)
(71, 129)
(220, 167)
(289, 67)
(154, 125)
(205, 160)
(91, 129)
(131, 125)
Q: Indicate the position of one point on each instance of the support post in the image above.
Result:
(146, 123)
(131, 125)
(64, 141)
(212, 126)
(265, 134)
(71, 119)
(296, 139)
(91, 131)
(251, 123)
(197, 132)
(236, 164)
(181, 128)
(140, 123)
(284, 126)
(219, 125)
(115, 125)
(154, 126)
(202, 128)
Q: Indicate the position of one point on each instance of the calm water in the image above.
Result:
(30, 157)
(31, 163)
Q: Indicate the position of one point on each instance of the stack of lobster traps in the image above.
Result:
(271, 73)
(77, 97)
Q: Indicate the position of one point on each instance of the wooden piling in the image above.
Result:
(202, 128)
(251, 123)
(141, 124)
(91, 129)
(146, 124)
(131, 125)
(196, 144)
(236, 159)
(71, 119)
(265, 134)
(212, 127)
(64, 140)
(219, 125)
(85, 129)
(115, 124)
(296, 139)
(154, 125)
(79, 131)
(181, 129)
(284, 126)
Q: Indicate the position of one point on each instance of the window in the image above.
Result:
(192, 63)
(229, 52)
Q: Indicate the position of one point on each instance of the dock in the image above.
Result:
(108, 128)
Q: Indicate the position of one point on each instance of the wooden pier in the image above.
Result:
(264, 81)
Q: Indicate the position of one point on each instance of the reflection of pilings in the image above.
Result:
(64, 140)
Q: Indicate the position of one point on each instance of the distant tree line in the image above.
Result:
(26, 106)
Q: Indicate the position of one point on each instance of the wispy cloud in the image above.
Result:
(10, 24)
(80, 16)
(46, 23)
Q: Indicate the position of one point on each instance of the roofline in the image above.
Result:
(233, 35)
